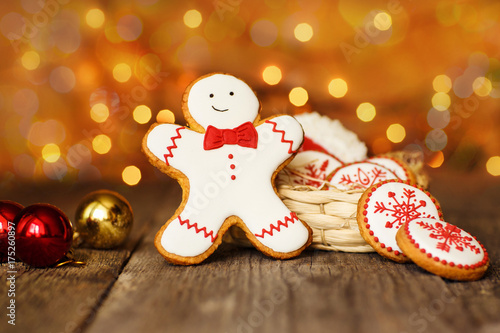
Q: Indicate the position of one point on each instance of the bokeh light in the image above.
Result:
(493, 166)
(482, 86)
(101, 144)
(396, 133)
(366, 112)
(337, 88)
(129, 27)
(441, 101)
(165, 117)
(122, 72)
(303, 32)
(271, 75)
(62, 79)
(192, 18)
(436, 160)
(264, 33)
(99, 112)
(298, 96)
(436, 140)
(51, 153)
(441, 83)
(131, 175)
(95, 18)
(142, 114)
(30, 60)
(382, 21)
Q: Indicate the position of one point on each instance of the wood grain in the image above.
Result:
(133, 289)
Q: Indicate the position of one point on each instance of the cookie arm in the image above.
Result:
(286, 133)
(163, 141)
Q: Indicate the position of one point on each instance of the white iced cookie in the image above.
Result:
(225, 162)
(359, 175)
(330, 135)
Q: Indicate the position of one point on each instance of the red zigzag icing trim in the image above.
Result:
(290, 142)
(173, 146)
(198, 230)
(278, 226)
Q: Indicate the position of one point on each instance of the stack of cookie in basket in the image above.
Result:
(355, 203)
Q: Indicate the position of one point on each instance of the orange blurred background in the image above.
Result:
(82, 81)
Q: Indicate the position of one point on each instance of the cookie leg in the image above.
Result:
(273, 225)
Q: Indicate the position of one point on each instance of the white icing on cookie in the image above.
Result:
(444, 241)
(397, 168)
(230, 170)
(360, 175)
(311, 168)
(390, 206)
(333, 137)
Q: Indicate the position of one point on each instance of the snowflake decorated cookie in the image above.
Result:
(225, 162)
(398, 167)
(385, 207)
(443, 249)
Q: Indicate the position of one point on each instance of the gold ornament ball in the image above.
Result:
(104, 219)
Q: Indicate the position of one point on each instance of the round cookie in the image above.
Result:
(385, 207)
(398, 167)
(226, 160)
(359, 175)
(443, 249)
(311, 168)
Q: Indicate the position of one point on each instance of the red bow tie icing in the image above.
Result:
(244, 135)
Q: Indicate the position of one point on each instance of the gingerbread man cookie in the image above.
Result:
(226, 161)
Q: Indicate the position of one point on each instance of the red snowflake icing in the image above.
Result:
(314, 172)
(362, 179)
(405, 210)
(450, 236)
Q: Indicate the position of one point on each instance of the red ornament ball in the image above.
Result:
(43, 235)
(8, 211)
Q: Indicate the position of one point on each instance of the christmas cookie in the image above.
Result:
(385, 207)
(443, 249)
(226, 161)
(359, 175)
(398, 167)
(311, 168)
(330, 136)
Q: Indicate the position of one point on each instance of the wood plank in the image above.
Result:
(65, 299)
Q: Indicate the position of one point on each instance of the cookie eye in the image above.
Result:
(231, 93)
(211, 95)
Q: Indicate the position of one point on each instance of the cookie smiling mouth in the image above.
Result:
(219, 110)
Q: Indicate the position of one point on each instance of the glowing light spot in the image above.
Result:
(482, 86)
(493, 166)
(95, 18)
(442, 83)
(438, 119)
(51, 153)
(122, 72)
(441, 101)
(129, 27)
(436, 140)
(30, 60)
(436, 160)
(298, 96)
(382, 21)
(131, 175)
(303, 32)
(366, 112)
(99, 113)
(101, 144)
(62, 79)
(142, 114)
(192, 18)
(271, 75)
(166, 117)
(337, 88)
(396, 133)
(264, 32)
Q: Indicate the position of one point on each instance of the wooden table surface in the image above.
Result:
(132, 288)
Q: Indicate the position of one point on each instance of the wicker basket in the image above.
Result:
(331, 213)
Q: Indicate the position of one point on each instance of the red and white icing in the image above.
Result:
(359, 175)
(229, 173)
(312, 168)
(392, 164)
(389, 205)
(446, 243)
